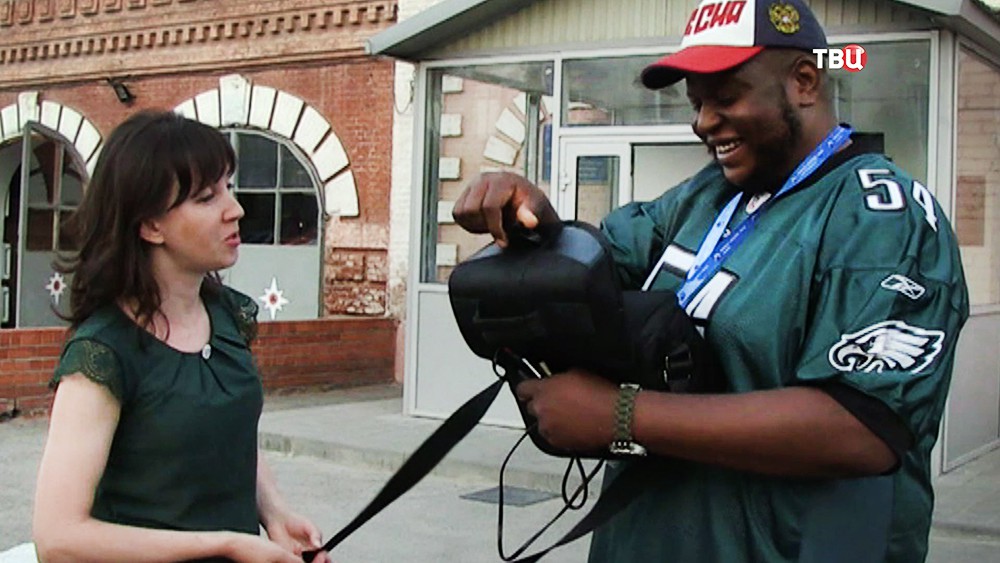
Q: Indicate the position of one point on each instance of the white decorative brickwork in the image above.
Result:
(452, 85)
(311, 129)
(512, 126)
(262, 106)
(451, 125)
(341, 196)
(330, 158)
(287, 109)
(235, 93)
(27, 103)
(79, 132)
(447, 255)
(87, 142)
(445, 209)
(500, 151)
(207, 106)
(187, 110)
(9, 122)
(50, 115)
(450, 168)
(238, 103)
(69, 123)
(521, 102)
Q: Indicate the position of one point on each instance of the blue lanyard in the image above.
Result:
(711, 254)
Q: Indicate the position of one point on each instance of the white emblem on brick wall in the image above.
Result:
(888, 345)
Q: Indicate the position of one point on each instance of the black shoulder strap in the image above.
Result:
(423, 460)
(627, 486)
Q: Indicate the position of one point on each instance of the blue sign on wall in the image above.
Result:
(592, 169)
(546, 152)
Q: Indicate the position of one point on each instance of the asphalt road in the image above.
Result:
(430, 524)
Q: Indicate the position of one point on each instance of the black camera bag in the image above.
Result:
(552, 299)
(548, 302)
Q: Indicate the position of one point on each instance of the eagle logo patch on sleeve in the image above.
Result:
(888, 345)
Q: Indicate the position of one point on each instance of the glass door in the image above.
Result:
(596, 177)
(49, 187)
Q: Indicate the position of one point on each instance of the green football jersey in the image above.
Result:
(853, 277)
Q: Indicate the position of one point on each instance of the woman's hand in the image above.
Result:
(296, 534)
(246, 548)
(285, 528)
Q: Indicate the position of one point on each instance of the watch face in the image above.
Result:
(627, 447)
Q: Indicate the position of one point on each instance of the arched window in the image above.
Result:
(55, 188)
(280, 262)
(276, 191)
(41, 184)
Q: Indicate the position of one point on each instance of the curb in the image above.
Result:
(989, 533)
(488, 473)
(390, 461)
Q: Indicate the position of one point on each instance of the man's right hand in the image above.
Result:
(495, 201)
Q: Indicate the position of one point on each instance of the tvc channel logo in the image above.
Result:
(851, 57)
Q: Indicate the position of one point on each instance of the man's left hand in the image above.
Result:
(575, 409)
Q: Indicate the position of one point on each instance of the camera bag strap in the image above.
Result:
(627, 486)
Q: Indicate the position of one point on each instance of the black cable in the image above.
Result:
(568, 503)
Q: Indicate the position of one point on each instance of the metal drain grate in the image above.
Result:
(512, 496)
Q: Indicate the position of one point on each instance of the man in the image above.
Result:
(834, 315)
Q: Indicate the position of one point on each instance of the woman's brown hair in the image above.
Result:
(151, 163)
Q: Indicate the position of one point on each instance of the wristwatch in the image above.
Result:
(623, 444)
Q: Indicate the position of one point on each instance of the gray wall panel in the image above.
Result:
(296, 270)
(34, 301)
(449, 373)
(973, 419)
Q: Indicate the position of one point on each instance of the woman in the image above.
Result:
(151, 453)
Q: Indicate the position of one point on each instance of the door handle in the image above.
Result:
(7, 255)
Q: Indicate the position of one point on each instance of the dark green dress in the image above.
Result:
(184, 454)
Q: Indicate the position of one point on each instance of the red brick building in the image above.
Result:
(309, 115)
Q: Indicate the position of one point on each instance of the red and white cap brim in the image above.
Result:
(696, 59)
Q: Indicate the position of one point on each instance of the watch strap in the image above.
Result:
(624, 444)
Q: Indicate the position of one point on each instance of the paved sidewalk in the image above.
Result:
(366, 428)
(333, 451)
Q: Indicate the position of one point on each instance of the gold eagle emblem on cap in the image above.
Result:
(784, 17)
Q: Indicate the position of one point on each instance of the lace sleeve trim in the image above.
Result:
(244, 312)
(93, 360)
(246, 319)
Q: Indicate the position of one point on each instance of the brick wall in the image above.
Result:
(298, 355)
(354, 96)
(27, 359)
(326, 353)
(79, 40)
